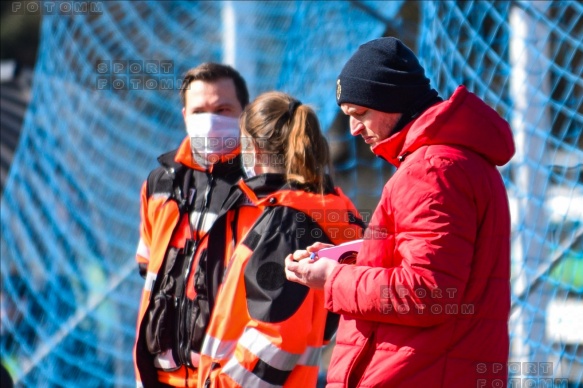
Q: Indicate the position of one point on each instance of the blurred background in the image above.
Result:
(89, 99)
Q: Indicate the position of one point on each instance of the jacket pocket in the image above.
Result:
(199, 309)
(161, 323)
(360, 363)
(163, 309)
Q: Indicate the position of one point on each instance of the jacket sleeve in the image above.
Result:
(281, 337)
(431, 205)
(143, 249)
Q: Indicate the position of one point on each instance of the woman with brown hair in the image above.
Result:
(265, 330)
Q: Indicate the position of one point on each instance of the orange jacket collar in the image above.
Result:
(184, 156)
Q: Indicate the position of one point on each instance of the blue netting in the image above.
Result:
(69, 216)
(69, 211)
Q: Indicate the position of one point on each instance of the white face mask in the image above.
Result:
(212, 136)
(248, 156)
(249, 164)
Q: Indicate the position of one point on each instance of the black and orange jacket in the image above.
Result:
(180, 202)
(265, 330)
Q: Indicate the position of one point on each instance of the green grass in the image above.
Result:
(570, 271)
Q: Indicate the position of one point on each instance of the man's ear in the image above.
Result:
(184, 112)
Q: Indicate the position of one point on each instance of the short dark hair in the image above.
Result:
(210, 72)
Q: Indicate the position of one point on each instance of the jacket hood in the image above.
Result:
(333, 210)
(463, 120)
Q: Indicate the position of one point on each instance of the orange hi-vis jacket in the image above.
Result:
(180, 202)
(266, 331)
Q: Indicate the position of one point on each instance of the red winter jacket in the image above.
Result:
(427, 304)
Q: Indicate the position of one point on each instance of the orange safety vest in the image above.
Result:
(166, 226)
(265, 330)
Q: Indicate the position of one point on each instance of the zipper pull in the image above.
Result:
(207, 198)
(191, 193)
(211, 184)
(402, 157)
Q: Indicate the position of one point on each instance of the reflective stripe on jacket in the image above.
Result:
(266, 331)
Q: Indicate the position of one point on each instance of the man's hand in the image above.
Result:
(301, 269)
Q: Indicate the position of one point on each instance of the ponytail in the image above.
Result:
(307, 154)
(285, 127)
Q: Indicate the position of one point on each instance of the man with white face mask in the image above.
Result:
(180, 202)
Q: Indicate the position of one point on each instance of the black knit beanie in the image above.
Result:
(385, 75)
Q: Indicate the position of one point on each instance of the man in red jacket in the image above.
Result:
(427, 303)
